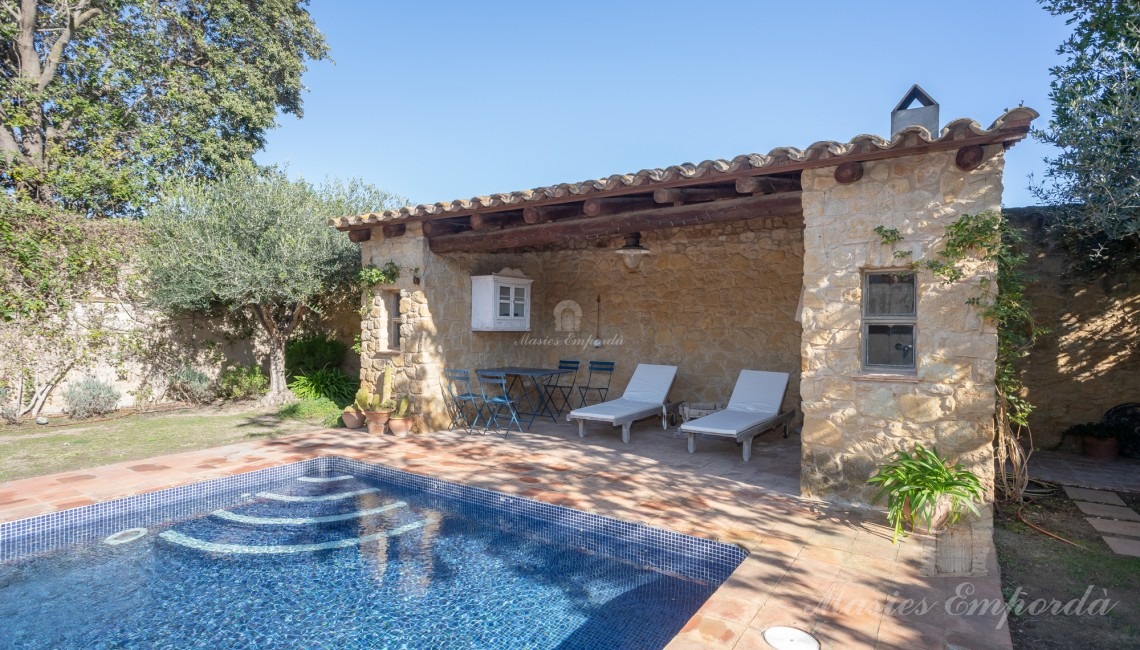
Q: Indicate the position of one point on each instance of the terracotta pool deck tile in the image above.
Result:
(148, 467)
(895, 634)
(711, 632)
(76, 478)
(800, 548)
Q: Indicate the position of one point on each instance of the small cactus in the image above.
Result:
(386, 384)
(363, 400)
(402, 407)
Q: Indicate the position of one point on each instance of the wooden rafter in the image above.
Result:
(765, 205)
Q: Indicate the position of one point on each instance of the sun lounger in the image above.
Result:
(644, 397)
(753, 409)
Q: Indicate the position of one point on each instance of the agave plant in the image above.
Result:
(915, 484)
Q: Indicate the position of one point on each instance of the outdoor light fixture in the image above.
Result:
(633, 252)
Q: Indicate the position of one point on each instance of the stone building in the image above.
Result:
(768, 262)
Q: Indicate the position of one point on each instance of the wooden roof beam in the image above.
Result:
(607, 206)
(750, 207)
(537, 214)
(766, 185)
(676, 195)
(490, 220)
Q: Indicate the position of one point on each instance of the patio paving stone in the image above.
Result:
(1114, 527)
(802, 551)
(1122, 546)
(1109, 512)
(1093, 496)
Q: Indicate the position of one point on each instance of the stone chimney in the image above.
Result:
(925, 115)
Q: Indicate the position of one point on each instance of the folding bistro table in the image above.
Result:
(538, 378)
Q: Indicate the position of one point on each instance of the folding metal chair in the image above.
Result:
(458, 383)
(558, 385)
(497, 399)
(604, 371)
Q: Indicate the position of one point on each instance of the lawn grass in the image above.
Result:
(1045, 568)
(31, 450)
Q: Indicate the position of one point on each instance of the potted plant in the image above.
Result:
(378, 408)
(400, 422)
(353, 414)
(922, 487)
(1099, 440)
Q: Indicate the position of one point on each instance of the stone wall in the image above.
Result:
(854, 420)
(1089, 361)
(710, 300)
(147, 347)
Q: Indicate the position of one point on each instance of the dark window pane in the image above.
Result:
(890, 294)
(890, 345)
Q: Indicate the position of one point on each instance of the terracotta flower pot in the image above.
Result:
(352, 419)
(1099, 448)
(938, 523)
(377, 421)
(400, 426)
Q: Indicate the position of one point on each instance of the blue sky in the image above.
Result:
(445, 100)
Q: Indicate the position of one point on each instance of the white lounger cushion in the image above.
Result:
(728, 422)
(755, 400)
(650, 383)
(644, 397)
(760, 391)
(617, 411)
(753, 408)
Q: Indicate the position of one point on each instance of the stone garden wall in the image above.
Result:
(854, 420)
(1089, 360)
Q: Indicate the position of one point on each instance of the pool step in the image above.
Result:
(302, 521)
(337, 496)
(176, 537)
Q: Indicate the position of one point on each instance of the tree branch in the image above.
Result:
(76, 20)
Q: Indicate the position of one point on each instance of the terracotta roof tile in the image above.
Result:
(824, 152)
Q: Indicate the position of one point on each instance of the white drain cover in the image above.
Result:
(124, 536)
(790, 638)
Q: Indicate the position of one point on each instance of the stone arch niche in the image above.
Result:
(567, 316)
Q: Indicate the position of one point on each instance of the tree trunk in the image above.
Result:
(278, 330)
(277, 378)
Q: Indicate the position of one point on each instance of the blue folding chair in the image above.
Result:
(597, 381)
(559, 385)
(496, 400)
(458, 383)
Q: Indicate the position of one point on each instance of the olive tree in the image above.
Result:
(1094, 181)
(256, 242)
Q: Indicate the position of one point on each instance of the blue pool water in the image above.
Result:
(340, 560)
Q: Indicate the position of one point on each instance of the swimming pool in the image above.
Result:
(336, 553)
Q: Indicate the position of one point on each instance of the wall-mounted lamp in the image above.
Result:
(632, 252)
(416, 275)
(597, 342)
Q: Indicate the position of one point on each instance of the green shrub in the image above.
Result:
(243, 382)
(322, 409)
(89, 397)
(328, 383)
(305, 355)
(191, 385)
(914, 485)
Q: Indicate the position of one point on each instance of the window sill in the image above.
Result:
(899, 377)
(387, 353)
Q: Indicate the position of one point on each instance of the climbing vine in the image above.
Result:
(49, 264)
(1001, 301)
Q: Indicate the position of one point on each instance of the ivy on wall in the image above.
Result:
(1001, 301)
